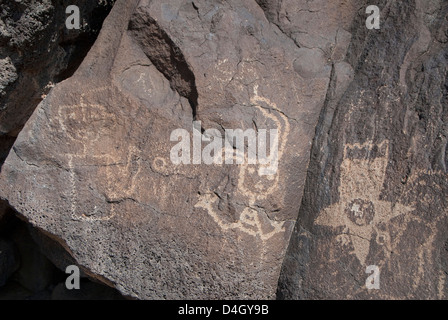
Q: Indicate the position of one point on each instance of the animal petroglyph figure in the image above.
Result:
(254, 182)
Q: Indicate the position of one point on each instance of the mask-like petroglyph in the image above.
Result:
(391, 235)
(360, 210)
(252, 220)
(94, 131)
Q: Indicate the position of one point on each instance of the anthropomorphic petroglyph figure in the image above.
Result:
(94, 131)
(255, 182)
(360, 209)
(382, 233)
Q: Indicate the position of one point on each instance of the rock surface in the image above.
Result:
(37, 51)
(92, 166)
(377, 185)
(87, 291)
(362, 134)
(26, 274)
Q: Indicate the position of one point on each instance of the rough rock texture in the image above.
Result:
(377, 185)
(25, 272)
(362, 125)
(87, 291)
(92, 166)
(53, 250)
(37, 51)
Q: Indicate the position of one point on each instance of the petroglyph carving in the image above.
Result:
(94, 128)
(360, 210)
(365, 219)
(253, 183)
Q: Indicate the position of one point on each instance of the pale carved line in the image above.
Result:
(251, 217)
(352, 170)
(112, 168)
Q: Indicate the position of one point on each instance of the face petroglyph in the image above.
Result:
(103, 143)
(361, 211)
(379, 232)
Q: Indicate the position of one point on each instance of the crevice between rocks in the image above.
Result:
(166, 56)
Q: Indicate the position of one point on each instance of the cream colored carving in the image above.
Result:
(362, 180)
(360, 210)
(250, 221)
(120, 182)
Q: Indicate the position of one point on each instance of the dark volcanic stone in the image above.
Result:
(377, 185)
(87, 291)
(37, 51)
(92, 166)
(363, 148)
